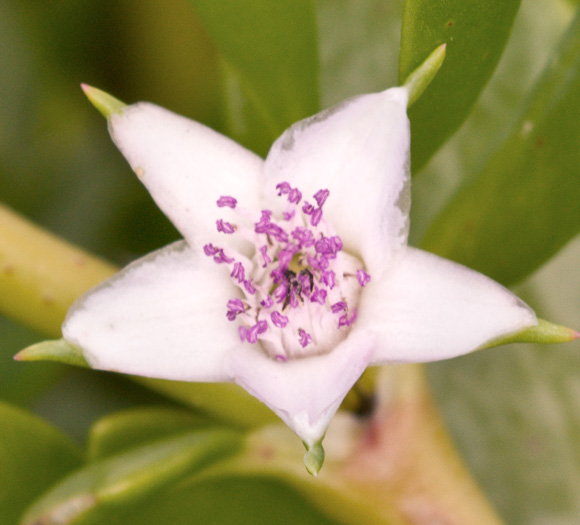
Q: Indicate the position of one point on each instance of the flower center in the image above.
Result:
(300, 290)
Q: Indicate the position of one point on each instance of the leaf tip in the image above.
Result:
(418, 81)
(53, 350)
(106, 104)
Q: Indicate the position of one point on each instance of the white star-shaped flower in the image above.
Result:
(294, 274)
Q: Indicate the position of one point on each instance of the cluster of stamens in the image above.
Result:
(299, 287)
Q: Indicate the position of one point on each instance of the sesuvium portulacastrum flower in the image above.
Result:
(294, 274)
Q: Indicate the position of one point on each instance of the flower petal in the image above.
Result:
(186, 167)
(359, 150)
(306, 392)
(162, 316)
(430, 308)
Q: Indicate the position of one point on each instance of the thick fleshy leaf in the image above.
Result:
(306, 392)
(523, 207)
(106, 486)
(33, 456)
(430, 309)
(121, 431)
(476, 34)
(359, 150)
(162, 316)
(186, 167)
(270, 51)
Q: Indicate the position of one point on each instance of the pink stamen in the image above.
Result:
(238, 272)
(279, 320)
(320, 197)
(225, 227)
(235, 307)
(363, 277)
(300, 270)
(265, 256)
(226, 201)
(305, 338)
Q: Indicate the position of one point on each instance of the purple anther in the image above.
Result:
(284, 258)
(307, 208)
(249, 287)
(267, 303)
(259, 328)
(288, 215)
(305, 338)
(337, 243)
(281, 358)
(324, 246)
(313, 262)
(226, 201)
(266, 257)
(294, 297)
(271, 229)
(338, 307)
(279, 320)
(316, 217)
(363, 277)
(280, 292)
(221, 258)
(344, 320)
(318, 296)
(283, 188)
(235, 307)
(320, 197)
(224, 227)
(303, 236)
(264, 221)
(323, 261)
(294, 196)
(238, 272)
(328, 278)
(210, 249)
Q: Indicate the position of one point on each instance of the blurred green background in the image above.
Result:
(513, 412)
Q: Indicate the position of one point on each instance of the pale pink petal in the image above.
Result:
(429, 308)
(162, 316)
(305, 393)
(187, 167)
(359, 150)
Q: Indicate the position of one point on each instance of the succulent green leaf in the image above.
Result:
(54, 350)
(475, 34)
(128, 429)
(545, 332)
(90, 494)
(33, 456)
(523, 206)
(105, 103)
(270, 52)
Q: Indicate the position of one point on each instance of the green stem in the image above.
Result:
(41, 275)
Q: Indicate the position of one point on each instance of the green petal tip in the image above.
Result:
(54, 350)
(314, 458)
(105, 103)
(420, 78)
(543, 333)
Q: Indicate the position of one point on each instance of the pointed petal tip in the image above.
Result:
(106, 104)
(57, 350)
(314, 458)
